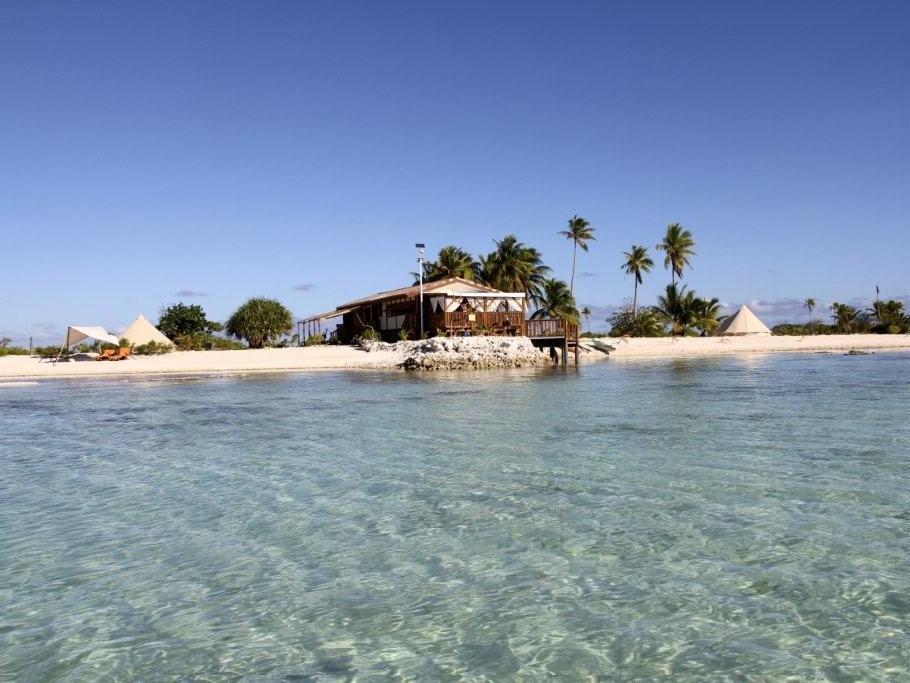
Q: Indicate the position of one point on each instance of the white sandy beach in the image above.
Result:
(348, 357)
(676, 347)
(201, 362)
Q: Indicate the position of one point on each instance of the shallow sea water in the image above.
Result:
(741, 517)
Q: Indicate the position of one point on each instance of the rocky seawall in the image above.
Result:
(463, 353)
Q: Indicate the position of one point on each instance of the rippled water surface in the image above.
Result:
(730, 517)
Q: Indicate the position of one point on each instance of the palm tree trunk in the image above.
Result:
(572, 282)
(635, 300)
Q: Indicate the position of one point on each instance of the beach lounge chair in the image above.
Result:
(107, 354)
(121, 354)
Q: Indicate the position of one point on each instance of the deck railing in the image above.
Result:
(551, 327)
(502, 322)
(495, 321)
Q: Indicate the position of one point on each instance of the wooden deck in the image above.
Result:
(553, 333)
(547, 328)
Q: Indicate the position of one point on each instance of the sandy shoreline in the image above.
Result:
(202, 363)
(351, 358)
(684, 347)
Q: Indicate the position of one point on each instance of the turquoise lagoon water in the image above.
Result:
(738, 517)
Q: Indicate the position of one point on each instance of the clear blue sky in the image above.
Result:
(236, 149)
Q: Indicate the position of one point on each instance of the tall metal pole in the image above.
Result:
(420, 252)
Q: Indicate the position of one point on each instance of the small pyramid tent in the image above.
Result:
(141, 331)
(743, 322)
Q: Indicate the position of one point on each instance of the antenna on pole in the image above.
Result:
(421, 249)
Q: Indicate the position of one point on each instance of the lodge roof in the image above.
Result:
(443, 286)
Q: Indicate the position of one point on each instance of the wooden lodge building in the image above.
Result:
(452, 306)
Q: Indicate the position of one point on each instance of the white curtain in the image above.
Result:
(452, 305)
(514, 304)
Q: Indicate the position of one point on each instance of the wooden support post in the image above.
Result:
(565, 351)
(576, 346)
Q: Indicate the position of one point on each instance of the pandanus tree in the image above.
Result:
(637, 262)
(677, 246)
(556, 301)
(260, 322)
(579, 232)
(514, 267)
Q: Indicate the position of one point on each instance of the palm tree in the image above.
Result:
(844, 316)
(514, 267)
(580, 232)
(888, 313)
(677, 244)
(451, 261)
(707, 312)
(809, 305)
(679, 307)
(484, 268)
(647, 324)
(556, 301)
(637, 262)
(586, 312)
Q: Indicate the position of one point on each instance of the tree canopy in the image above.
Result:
(556, 302)
(182, 320)
(678, 245)
(579, 231)
(451, 261)
(514, 267)
(260, 322)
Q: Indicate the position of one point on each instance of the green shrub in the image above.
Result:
(13, 351)
(152, 348)
(222, 344)
(314, 340)
(49, 351)
(404, 334)
(193, 341)
(369, 334)
(801, 330)
(647, 322)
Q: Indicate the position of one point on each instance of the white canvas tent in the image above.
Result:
(743, 322)
(76, 333)
(141, 331)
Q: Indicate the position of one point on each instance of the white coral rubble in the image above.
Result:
(464, 353)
